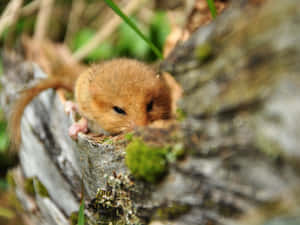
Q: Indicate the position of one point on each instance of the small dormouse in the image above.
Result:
(116, 95)
(122, 94)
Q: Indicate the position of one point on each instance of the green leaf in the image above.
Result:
(81, 213)
(127, 20)
(159, 29)
(212, 8)
(81, 38)
(103, 51)
(130, 44)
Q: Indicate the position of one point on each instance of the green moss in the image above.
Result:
(171, 212)
(108, 141)
(40, 188)
(150, 163)
(32, 185)
(203, 52)
(28, 186)
(146, 162)
(129, 136)
(73, 219)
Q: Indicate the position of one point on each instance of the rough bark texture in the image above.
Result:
(240, 134)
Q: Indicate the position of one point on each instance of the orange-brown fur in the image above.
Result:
(25, 98)
(125, 83)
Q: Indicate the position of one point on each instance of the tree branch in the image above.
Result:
(11, 14)
(43, 19)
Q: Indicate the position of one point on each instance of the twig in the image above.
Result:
(11, 14)
(13, 11)
(30, 8)
(77, 8)
(42, 19)
(103, 33)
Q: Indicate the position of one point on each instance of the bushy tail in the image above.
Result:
(14, 123)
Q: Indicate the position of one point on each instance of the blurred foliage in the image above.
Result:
(102, 52)
(159, 30)
(3, 184)
(23, 26)
(4, 141)
(3, 4)
(123, 43)
(6, 160)
(127, 43)
(130, 44)
(134, 27)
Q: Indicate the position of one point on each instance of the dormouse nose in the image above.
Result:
(140, 122)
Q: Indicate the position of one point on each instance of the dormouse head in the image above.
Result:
(127, 94)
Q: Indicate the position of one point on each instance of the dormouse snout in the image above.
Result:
(139, 123)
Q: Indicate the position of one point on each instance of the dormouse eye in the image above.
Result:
(119, 110)
(150, 106)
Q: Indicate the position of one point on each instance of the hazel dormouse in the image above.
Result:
(116, 96)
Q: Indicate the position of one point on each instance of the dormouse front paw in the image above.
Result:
(77, 127)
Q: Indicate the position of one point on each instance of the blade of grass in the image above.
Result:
(81, 208)
(81, 213)
(212, 8)
(127, 20)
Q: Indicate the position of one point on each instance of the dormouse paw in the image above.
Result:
(79, 126)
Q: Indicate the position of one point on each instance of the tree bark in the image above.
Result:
(239, 132)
